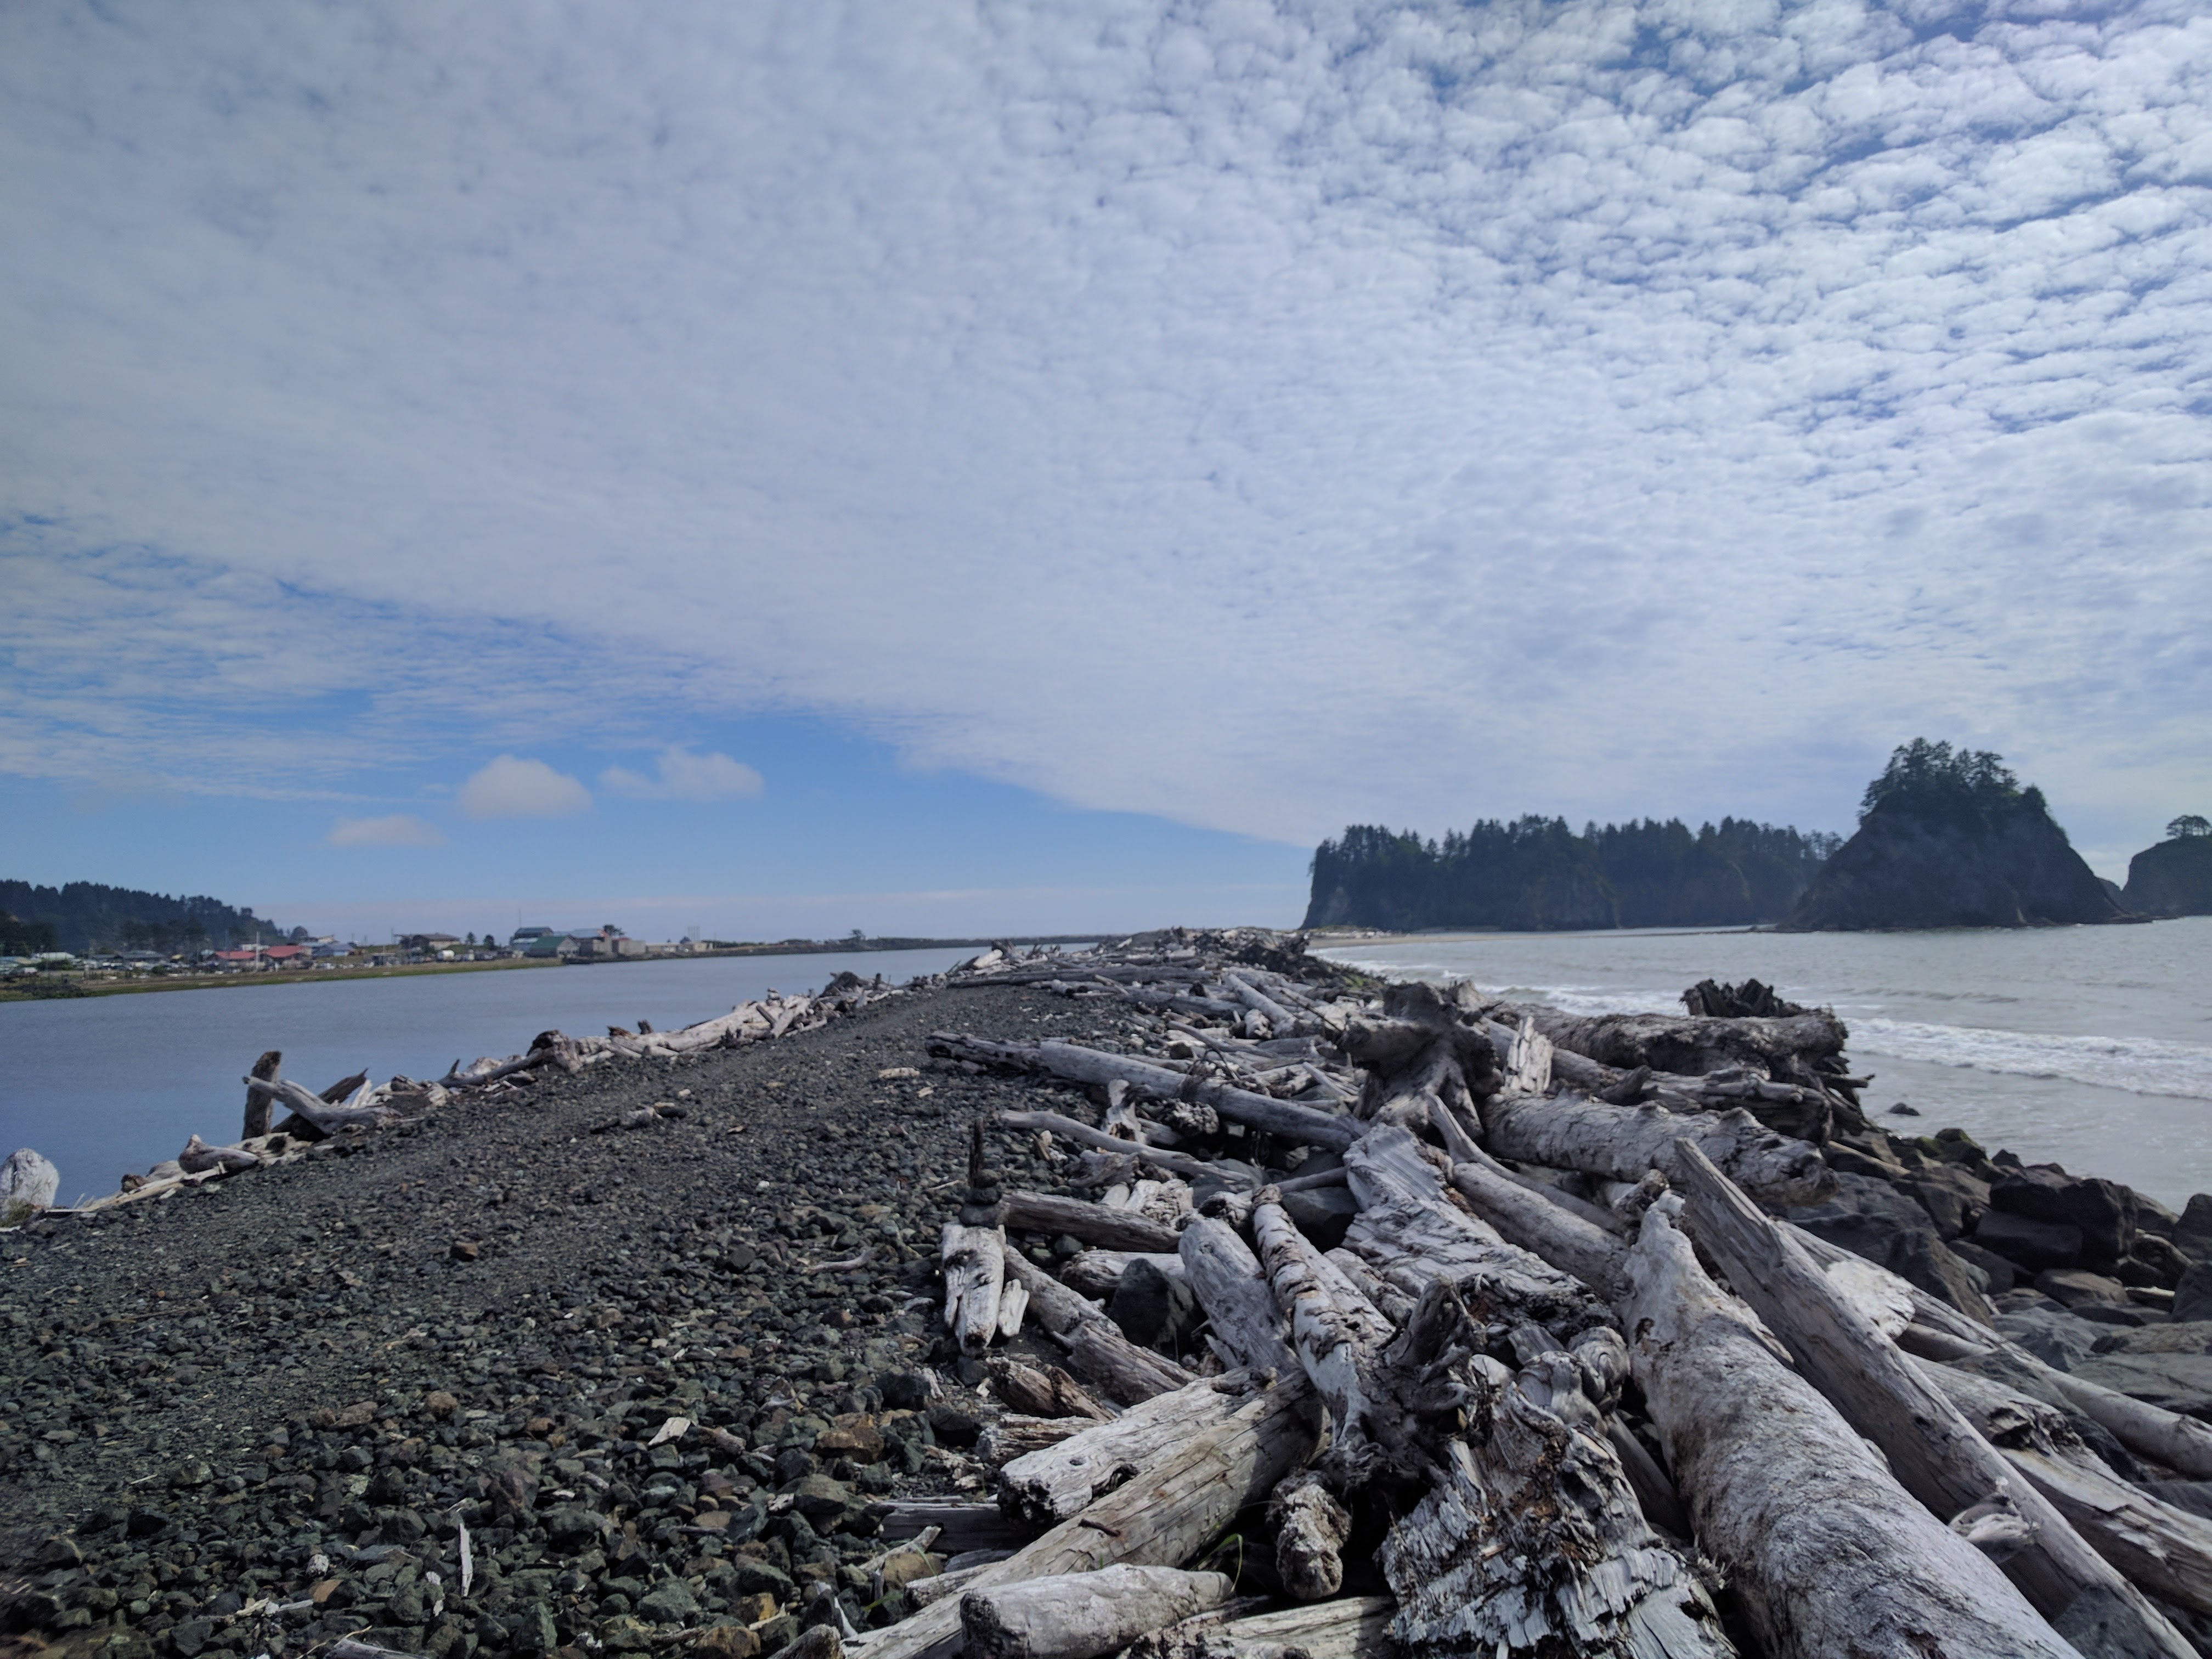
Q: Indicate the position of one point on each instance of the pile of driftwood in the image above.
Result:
(354, 1106)
(1544, 1376)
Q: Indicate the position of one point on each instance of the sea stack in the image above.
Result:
(1950, 839)
(2174, 879)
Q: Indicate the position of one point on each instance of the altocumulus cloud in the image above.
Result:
(510, 786)
(397, 829)
(679, 774)
(1263, 415)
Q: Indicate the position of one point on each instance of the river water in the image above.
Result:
(106, 1084)
(2090, 1047)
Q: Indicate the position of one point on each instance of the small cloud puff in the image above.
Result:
(400, 829)
(682, 776)
(511, 788)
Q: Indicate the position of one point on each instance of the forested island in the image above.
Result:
(1536, 874)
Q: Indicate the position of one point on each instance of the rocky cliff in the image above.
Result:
(1999, 863)
(2173, 879)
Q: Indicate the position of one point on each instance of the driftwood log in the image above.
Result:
(1096, 1347)
(1625, 1143)
(1354, 1627)
(1935, 1453)
(974, 1260)
(1687, 1046)
(1094, 1223)
(1233, 1289)
(1048, 1486)
(1827, 1554)
(1083, 1615)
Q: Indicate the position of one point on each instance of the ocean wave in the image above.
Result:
(2140, 1066)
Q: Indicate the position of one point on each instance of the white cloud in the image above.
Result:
(510, 787)
(398, 829)
(679, 774)
(1264, 416)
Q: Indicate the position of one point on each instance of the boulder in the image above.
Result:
(2076, 1287)
(2192, 1233)
(2193, 1338)
(1871, 1219)
(1324, 1214)
(2060, 1339)
(1954, 1201)
(2178, 1382)
(2001, 1273)
(2192, 1296)
(27, 1178)
(2033, 1245)
(1153, 1310)
(2103, 1211)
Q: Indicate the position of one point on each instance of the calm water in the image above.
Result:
(104, 1085)
(2090, 1047)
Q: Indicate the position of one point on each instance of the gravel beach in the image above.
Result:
(258, 1416)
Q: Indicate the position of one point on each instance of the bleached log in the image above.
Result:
(1353, 1628)
(1161, 1517)
(1083, 1134)
(1393, 1304)
(1096, 1347)
(1015, 1435)
(1686, 1046)
(1094, 1223)
(1935, 1453)
(1558, 1235)
(1240, 1308)
(1827, 1554)
(1409, 1233)
(1083, 1615)
(1528, 1061)
(1013, 1302)
(1284, 1021)
(2161, 1548)
(1334, 1338)
(198, 1155)
(1043, 1391)
(1056, 1481)
(256, 1104)
(1422, 1054)
(1080, 1065)
(974, 1274)
(920, 1592)
(318, 1116)
(1571, 1132)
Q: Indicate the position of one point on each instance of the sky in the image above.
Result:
(936, 467)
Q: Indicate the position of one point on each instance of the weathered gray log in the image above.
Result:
(1550, 1231)
(1082, 1615)
(1333, 1336)
(1284, 1021)
(1043, 1391)
(1229, 1284)
(1096, 1273)
(316, 1118)
(1015, 1435)
(29, 1180)
(1053, 1482)
(1097, 1349)
(1827, 1554)
(1094, 1223)
(958, 1527)
(1175, 1162)
(1935, 1452)
(1530, 1539)
(257, 1105)
(198, 1155)
(2162, 1549)
(1080, 1065)
(1163, 1517)
(1310, 1530)
(1410, 1234)
(1424, 1052)
(1689, 1047)
(1355, 1627)
(975, 1273)
(1571, 1132)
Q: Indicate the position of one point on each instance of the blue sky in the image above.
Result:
(936, 467)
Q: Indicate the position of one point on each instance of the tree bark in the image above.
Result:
(1162, 1518)
(1056, 1481)
(1083, 1615)
(1570, 1132)
(1830, 1557)
(1935, 1451)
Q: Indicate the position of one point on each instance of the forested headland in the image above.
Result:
(81, 916)
(1537, 875)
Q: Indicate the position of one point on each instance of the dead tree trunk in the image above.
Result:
(257, 1105)
(1094, 1223)
(1231, 1286)
(1423, 1051)
(1082, 1615)
(1332, 1330)
(974, 1272)
(1048, 1486)
(1624, 1143)
(1829, 1555)
(1096, 1347)
(1935, 1451)
(1689, 1047)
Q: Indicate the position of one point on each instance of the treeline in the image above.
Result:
(1536, 874)
(83, 916)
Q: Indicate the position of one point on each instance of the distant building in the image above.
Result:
(431, 942)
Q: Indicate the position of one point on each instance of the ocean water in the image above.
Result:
(2089, 1047)
(106, 1084)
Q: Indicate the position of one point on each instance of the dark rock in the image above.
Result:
(2192, 1233)
(530, 1628)
(1954, 1201)
(1153, 1310)
(2173, 879)
(904, 1390)
(1871, 1219)
(2001, 1275)
(2193, 1338)
(2058, 1339)
(2178, 1382)
(2033, 1245)
(671, 1603)
(1903, 1110)
(1987, 858)
(187, 1638)
(955, 1425)
(2103, 1211)
(749, 1576)
(2192, 1296)
(2073, 1287)
(2161, 1264)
